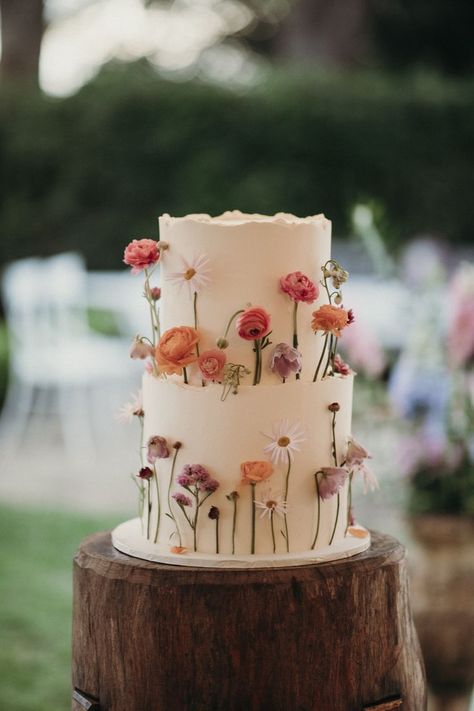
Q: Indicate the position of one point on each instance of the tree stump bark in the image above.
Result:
(332, 637)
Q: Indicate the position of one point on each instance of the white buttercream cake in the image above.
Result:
(247, 452)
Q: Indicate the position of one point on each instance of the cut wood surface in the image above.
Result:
(331, 637)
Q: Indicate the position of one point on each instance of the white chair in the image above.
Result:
(56, 360)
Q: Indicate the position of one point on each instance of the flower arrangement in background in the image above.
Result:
(432, 389)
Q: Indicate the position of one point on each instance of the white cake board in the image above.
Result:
(128, 538)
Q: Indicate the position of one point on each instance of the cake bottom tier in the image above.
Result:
(128, 538)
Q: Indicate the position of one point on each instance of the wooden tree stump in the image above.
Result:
(331, 637)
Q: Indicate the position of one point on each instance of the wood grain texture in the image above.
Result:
(331, 637)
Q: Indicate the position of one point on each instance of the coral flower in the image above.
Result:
(211, 363)
(141, 254)
(330, 319)
(176, 349)
(253, 324)
(299, 287)
(253, 472)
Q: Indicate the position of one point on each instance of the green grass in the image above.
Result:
(36, 550)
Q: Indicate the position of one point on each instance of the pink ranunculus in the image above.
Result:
(299, 287)
(332, 481)
(285, 360)
(211, 363)
(253, 324)
(141, 254)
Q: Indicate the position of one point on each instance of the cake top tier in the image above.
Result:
(215, 267)
(236, 217)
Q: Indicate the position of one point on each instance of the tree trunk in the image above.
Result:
(328, 33)
(336, 636)
(22, 32)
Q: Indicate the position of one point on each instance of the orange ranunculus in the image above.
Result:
(176, 349)
(330, 319)
(253, 472)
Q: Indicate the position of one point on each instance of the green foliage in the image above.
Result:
(443, 491)
(36, 550)
(92, 171)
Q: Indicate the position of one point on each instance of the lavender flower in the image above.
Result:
(157, 449)
(193, 474)
(285, 360)
(210, 485)
(332, 481)
(182, 499)
(184, 480)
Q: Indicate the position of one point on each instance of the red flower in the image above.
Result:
(141, 254)
(299, 287)
(253, 324)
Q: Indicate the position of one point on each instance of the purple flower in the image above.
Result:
(182, 499)
(332, 481)
(194, 474)
(210, 485)
(184, 480)
(157, 449)
(145, 473)
(214, 513)
(285, 360)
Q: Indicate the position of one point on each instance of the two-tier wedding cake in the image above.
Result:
(245, 412)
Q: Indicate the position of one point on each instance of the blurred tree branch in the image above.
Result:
(22, 32)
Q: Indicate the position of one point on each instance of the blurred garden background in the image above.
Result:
(113, 112)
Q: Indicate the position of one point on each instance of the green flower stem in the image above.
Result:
(295, 330)
(287, 484)
(319, 510)
(141, 488)
(252, 545)
(155, 325)
(321, 358)
(349, 503)
(273, 531)
(234, 520)
(258, 361)
(148, 509)
(217, 535)
(333, 428)
(170, 508)
(196, 319)
(337, 517)
(185, 375)
(158, 512)
(240, 311)
(326, 367)
(196, 513)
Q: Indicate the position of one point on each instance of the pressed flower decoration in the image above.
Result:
(331, 319)
(157, 448)
(285, 360)
(253, 324)
(200, 485)
(143, 255)
(254, 472)
(285, 441)
(211, 364)
(194, 276)
(270, 504)
(176, 350)
(299, 288)
(233, 497)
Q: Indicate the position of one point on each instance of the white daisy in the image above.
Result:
(285, 440)
(131, 409)
(271, 503)
(195, 275)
